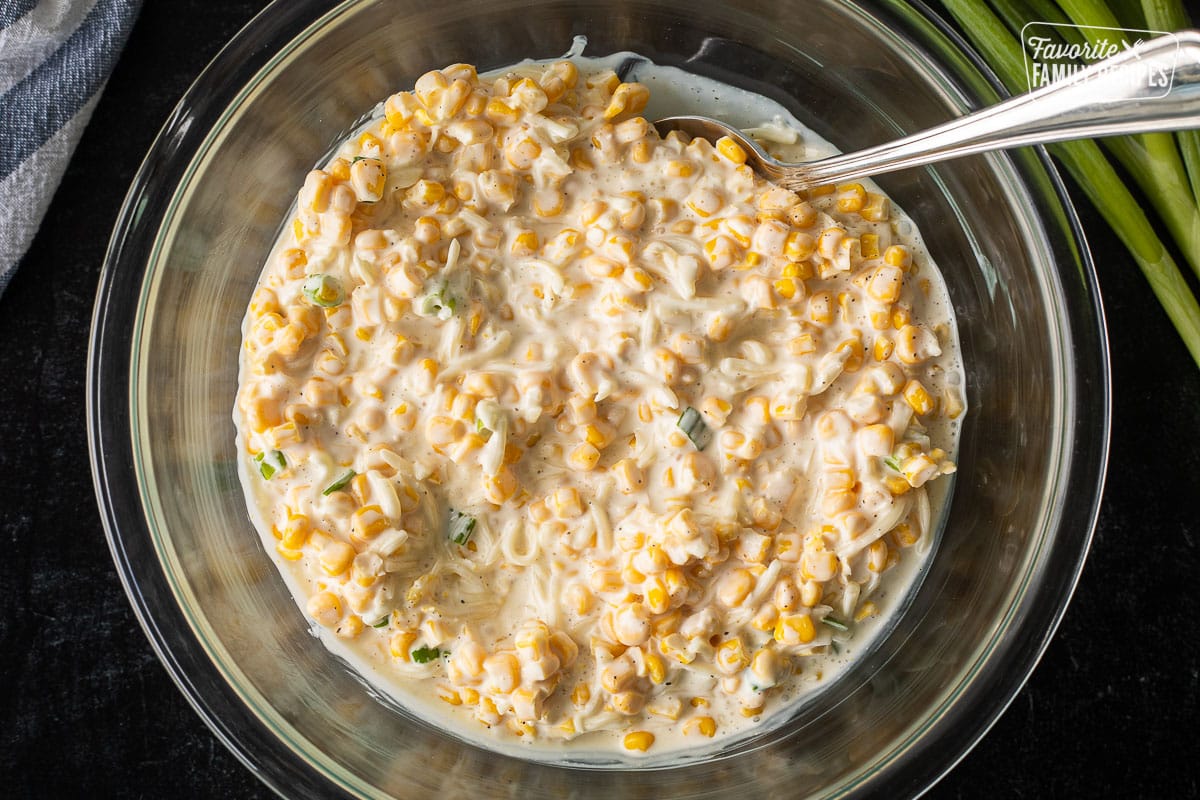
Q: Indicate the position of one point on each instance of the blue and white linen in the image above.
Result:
(55, 56)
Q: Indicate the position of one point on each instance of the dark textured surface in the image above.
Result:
(86, 709)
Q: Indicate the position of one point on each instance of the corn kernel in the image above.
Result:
(584, 457)
(368, 522)
(918, 398)
(336, 557)
(325, 608)
(795, 629)
(638, 740)
(655, 669)
(627, 98)
(731, 657)
(898, 256)
(401, 643)
(731, 150)
(851, 198)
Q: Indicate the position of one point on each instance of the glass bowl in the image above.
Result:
(202, 215)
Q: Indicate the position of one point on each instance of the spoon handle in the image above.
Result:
(1154, 86)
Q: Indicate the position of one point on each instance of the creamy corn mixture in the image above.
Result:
(581, 430)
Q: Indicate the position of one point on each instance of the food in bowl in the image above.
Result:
(583, 434)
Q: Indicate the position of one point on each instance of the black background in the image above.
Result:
(86, 709)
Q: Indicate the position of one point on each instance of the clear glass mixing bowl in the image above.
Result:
(199, 222)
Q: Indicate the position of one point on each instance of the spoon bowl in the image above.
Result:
(1097, 101)
(762, 162)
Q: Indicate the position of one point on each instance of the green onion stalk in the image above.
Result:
(1165, 167)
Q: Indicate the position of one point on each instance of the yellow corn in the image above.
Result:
(441, 432)
(448, 694)
(584, 457)
(918, 398)
(896, 484)
(820, 308)
(877, 208)
(885, 284)
(716, 409)
(638, 740)
(501, 487)
(678, 168)
(731, 656)
(810, 593)
(503, 671)
(759, 409)
(918, 469)
(325, 608)
(657, 599)
(851, 198)
(336, 557)
(655, 669)
(898, 256)
(802, 345)
(719, 328)
(579, 599)
(676, 581)
(629, 476)
(953, 404)
(400, 644)
(525, 243)
(368, 521)
(565, 502)
(731, 150)
(637, 279)
(905, 535)
(870, 245)
(735, 586)
(822, 565)
(795, 629)
(868, 609)
(766, 617)
(605, 580)
(295, 531)
(628, 98)
(877, 556)
(628, 703)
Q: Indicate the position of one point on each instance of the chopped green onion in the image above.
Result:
(423, 655)
(357, 159)
(691, 423)
(340, 483)
(323, 290)
(1170, 15)
(437, 304)
(269, 463)
(835, 623)
(460, 527)
(892, 462)
(1096, 176)
(383, 622)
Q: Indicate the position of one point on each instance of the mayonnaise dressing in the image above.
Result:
(585, 445)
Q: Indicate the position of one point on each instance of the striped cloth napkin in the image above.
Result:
(55, 56)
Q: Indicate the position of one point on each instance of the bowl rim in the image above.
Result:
(111, 432)
(1034, 647)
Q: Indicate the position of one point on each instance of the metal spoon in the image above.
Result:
(1102, 100)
